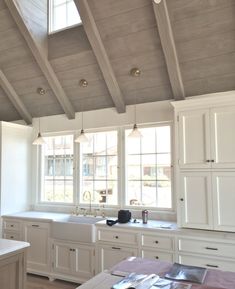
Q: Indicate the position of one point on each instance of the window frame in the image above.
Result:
(124, 171)
(50, 17)
(121, 171)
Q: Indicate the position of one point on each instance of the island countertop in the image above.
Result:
(10, 246)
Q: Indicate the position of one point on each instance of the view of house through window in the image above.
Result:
(99, 162)
(148, 168)
(57, 168)
(63, 14)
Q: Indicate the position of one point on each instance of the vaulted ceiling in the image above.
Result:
(182, 47)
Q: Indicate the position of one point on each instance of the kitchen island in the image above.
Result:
(12, 264)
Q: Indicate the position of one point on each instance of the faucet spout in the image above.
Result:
(87, 196)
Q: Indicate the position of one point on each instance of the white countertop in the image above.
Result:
(10, 246)
(40, 216)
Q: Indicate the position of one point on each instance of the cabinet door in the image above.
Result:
(83, 261)
(37, 234)
(223, 137)
(108, 256)
(194, 139)
(196, 200)
(223, 184)
(62, 258)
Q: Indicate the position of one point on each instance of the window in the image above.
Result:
(63, 14)
(148, 168)
(99, 168)
(57, 168)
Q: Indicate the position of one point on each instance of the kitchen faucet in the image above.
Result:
(85, 194)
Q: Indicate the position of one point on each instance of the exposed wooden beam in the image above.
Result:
(101, 54)
(14, 98)
(40, 58)
(169, 48)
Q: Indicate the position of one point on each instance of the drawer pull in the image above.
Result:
(156, 242)
(116, 248)
(116, 237)
(12, 226)
(211, 248)
(72, 250)
(212, 266)
(36, 226)
(11, 237)
(156, 257)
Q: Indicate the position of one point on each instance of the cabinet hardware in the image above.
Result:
(12, 237)
(208, 161)
(210, 248)
(156, 242)
(36, 226)
(156, 257)
(72, 250)
(116, 248)
(12, 226)
(212, 266)
(116, 237)
(181, 199)
(212, 161)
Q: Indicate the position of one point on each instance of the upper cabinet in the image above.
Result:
(207, 138)
(205, 161)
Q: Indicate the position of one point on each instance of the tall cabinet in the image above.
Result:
(205, 161)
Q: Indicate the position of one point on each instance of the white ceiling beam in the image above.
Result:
(169, 48)
(101, 54)
(14, 98)
(40, 58)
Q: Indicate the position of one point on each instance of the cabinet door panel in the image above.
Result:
(62, 258)
(223, 137)
(83, 261)
(111, 255)
(194, 139)
(195, 200)
(223, 200)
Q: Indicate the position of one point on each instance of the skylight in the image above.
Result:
(62, 14)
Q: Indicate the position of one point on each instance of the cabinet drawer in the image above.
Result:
(156, 255)
(207, 247)
(11, 225)
(210, 263)
(117, 237)
(155, 241)
(12, 236)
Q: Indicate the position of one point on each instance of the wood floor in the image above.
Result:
(37, 282)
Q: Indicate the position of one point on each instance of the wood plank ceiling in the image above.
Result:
(199, 35)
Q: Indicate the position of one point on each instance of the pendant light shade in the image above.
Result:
(135, 133)
(82, 138)
(39, 139)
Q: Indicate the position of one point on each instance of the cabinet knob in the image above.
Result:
(181, 199)
(212, 161)
(156, 242)
(208, 161)
(116, 237)
(12, 226)
(156, 257)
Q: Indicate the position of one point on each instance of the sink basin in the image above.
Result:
(75, 228)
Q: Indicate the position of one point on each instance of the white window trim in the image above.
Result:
(121, 173)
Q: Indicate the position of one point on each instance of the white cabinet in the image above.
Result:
(207, 200)
(74, 260)
(207, 138)
(195, 200)
(110, 255)
(12, 229)
(38, 257)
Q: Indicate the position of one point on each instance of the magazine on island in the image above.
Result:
(152, 281)
(186, 273)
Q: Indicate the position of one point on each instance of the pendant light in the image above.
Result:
(82, 138)
(39, 139)
(135, 133)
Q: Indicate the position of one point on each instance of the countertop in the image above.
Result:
(10, 246)
(38, 216)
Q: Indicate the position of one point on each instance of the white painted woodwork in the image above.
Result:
(101, 54)
(38, 258)
(15, 99)
(194, 139)
(114, 236)
(157, 255)
(109, 256)
(223, 137)
(206, 262)
(40, 57)
(169, 48)
(223, 186)
(195, 200)
(73, 259)
(15, 152)
(156, 241)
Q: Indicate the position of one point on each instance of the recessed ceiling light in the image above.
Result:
(157, 1)
(41, 91)
(83, 83)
